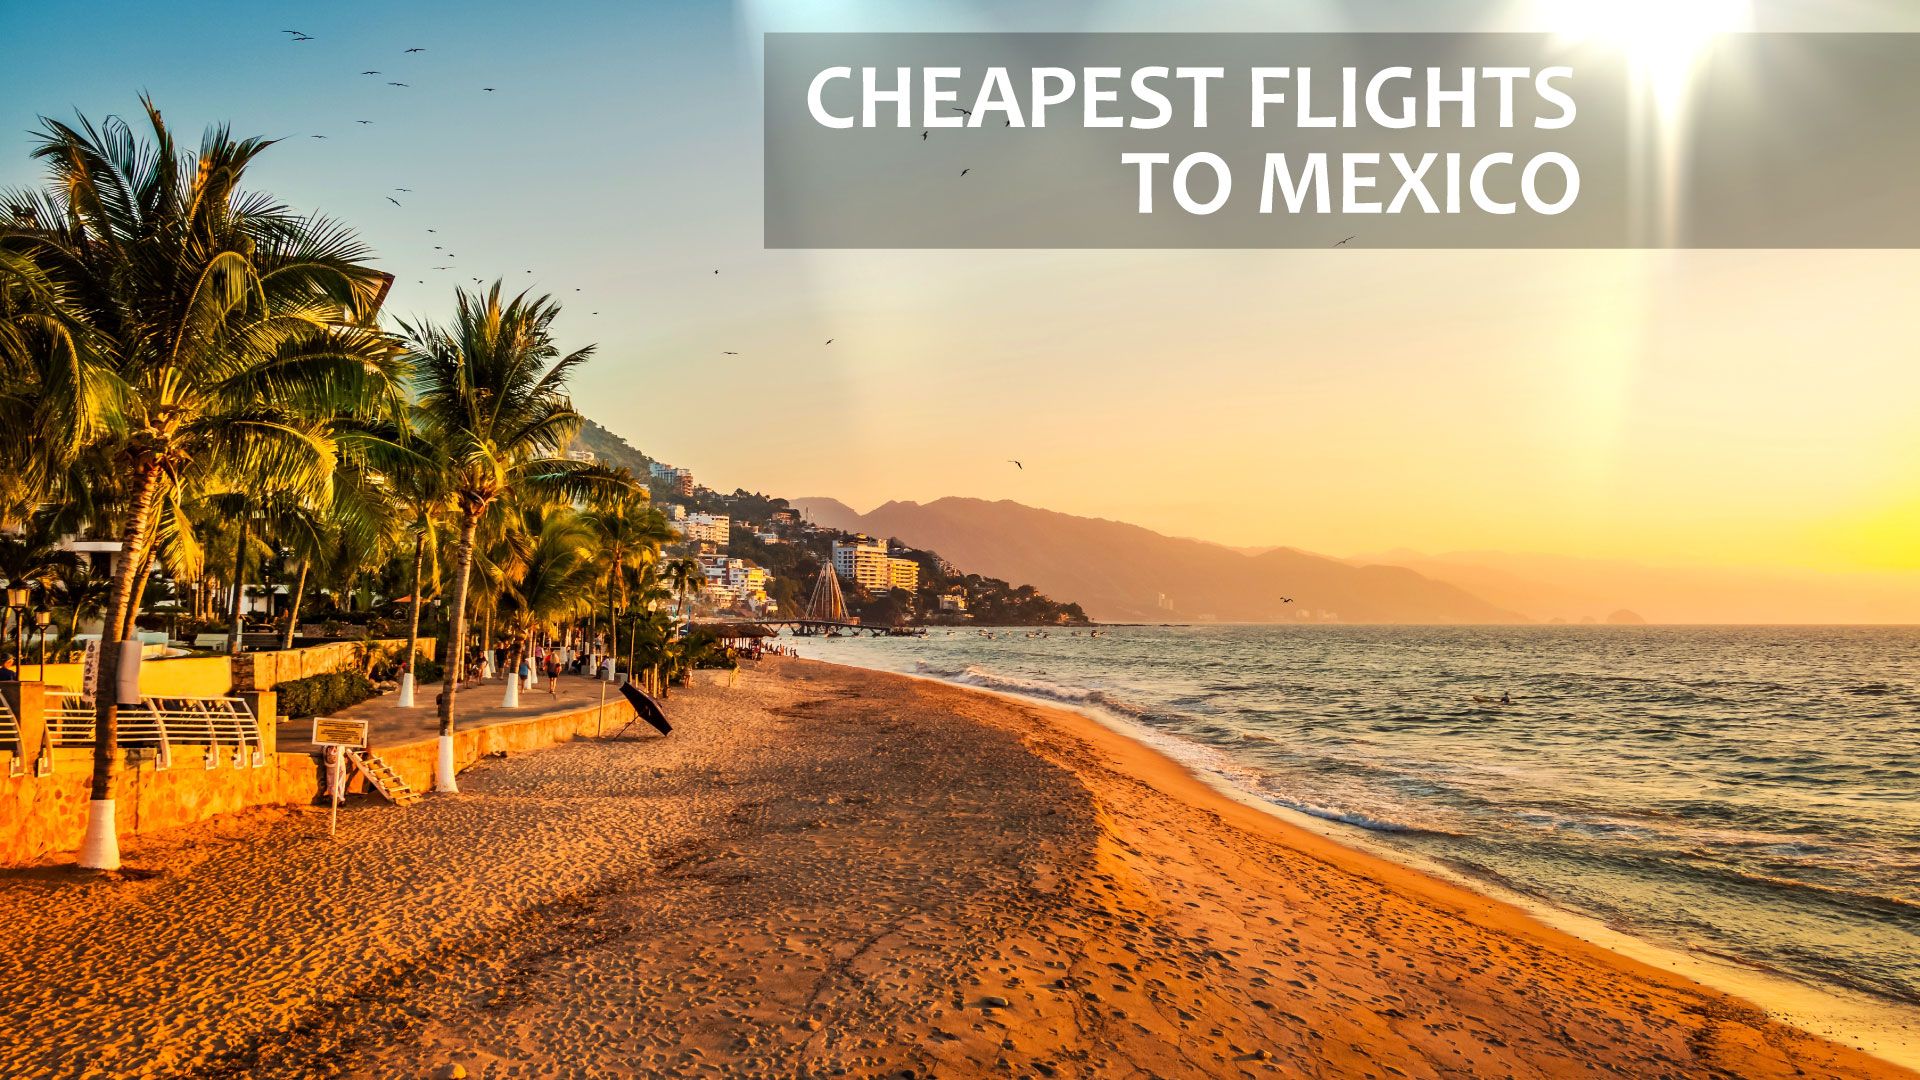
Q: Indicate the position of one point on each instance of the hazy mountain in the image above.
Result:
(1565, 587)
(1121, 572)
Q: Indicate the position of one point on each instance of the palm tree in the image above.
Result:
(229, 329)
(490, 399)
(47, 383)
(553, 576)
(685, 577)
(631, 533)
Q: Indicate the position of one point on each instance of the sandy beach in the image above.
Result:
(823, 872)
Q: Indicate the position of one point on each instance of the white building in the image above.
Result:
(715, 529)
(680, 480)
(731, 581)
(865, 562)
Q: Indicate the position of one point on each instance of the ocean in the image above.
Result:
(1747, 792)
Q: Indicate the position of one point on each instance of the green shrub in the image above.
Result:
(317, 695)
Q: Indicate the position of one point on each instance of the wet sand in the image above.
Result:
(822, 872)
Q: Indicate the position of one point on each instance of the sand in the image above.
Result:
(827, 872)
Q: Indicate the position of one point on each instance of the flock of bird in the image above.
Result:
(298, 36)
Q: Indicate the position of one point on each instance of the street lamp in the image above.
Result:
(17, 597)
(43, 619)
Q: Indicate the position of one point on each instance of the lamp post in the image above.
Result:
(17, 597)
(42, 619)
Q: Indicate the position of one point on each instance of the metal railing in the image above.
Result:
(162, 723)
(69, 720)
(10, 737)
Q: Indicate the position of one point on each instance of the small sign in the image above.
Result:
(331, 731)
(90, 673)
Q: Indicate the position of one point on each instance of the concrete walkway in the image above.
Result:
(476, 705)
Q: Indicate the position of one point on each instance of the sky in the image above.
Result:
(1737, 409)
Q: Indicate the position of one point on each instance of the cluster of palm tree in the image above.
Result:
(207, 382)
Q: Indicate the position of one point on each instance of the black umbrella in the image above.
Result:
(648, 709)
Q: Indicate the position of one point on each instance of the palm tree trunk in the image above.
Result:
(100, 848)
(613, 619)
(457, 647)
(139, 591)
(293, 609)
(239, 584)
(413, 631)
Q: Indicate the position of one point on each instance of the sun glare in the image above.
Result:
(1663, 39)
(1664, 43)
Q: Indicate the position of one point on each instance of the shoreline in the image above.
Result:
(1874, 1026)
(831, 871)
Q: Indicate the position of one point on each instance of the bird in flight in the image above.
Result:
(723, 352)
(963, 112)
(406, 189)
(1017, 465)
(1286, 599)
(488, 89)
(431, 230)
(1343, 243)
(393, 200)
(363, 121)
(416, 49)
(716, 271)
(829, 341)
(396, 84)
(923, 136)
(369, 73)
(319, 136)
(298, 36)
(964, 172)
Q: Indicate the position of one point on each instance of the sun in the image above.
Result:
(1663, 40)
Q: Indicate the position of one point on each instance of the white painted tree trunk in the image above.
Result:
(511, 699)
(100, 847)
(406, 690)
(443, 780)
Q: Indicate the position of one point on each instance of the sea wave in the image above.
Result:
(1359, 820)
(974, 675)
(1765, 777)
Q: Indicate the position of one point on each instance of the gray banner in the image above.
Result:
(1762, 141)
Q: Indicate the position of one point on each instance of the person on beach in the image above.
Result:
(1506, 698)
(553, 674)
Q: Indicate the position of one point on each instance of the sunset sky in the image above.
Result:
(1743, 409)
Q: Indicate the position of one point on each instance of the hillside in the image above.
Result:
(1121, 572)
(792, 556)
(611, 449)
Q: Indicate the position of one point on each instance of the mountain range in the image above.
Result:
(1125, 573)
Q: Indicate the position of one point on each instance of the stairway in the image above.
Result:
(383, 778)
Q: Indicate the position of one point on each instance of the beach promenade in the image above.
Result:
(826, 872)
